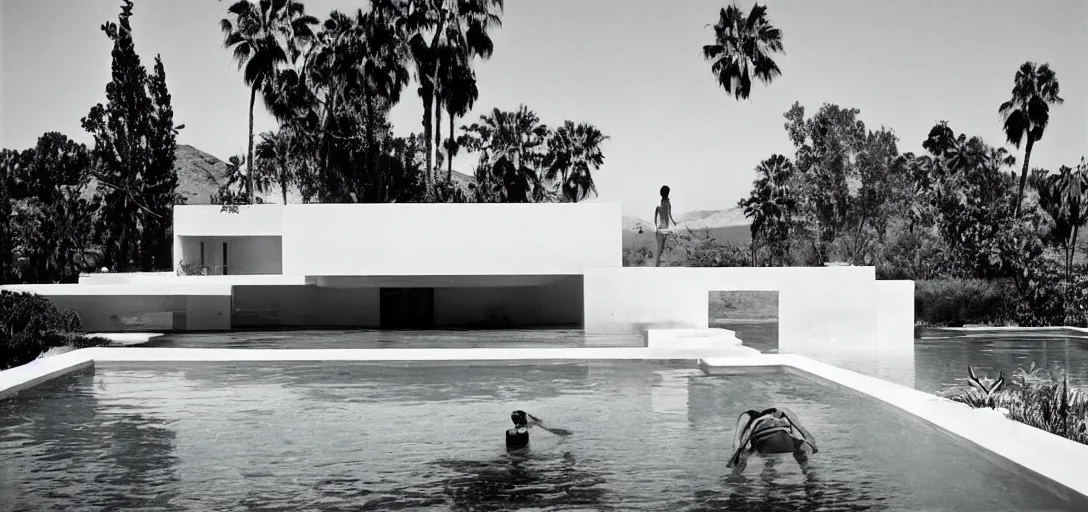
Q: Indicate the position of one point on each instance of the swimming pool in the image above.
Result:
(941, 356)
(421, 435)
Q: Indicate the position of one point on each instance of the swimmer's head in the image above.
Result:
(519, 418)
(665, 192)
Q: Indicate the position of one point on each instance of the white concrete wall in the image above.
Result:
(830, 308)
(895, 316)
(210, 220)
(450, 239)
(124, 277)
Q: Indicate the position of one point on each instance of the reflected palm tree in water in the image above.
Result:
(63, 450)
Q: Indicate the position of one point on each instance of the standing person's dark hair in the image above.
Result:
(662, 219)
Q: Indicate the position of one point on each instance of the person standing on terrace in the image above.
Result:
(662, 218)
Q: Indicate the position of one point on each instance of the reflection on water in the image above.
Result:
(375, 339)
(941, 356)
(357, 436)
(44, 441)
(514, 481)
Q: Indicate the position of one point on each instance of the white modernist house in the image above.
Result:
(420, 266)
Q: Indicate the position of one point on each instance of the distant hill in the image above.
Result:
(725, 226)
(199, 175)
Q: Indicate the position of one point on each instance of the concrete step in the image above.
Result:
(691, 338)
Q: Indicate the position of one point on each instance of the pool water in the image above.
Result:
(941, 356)
(429, 436)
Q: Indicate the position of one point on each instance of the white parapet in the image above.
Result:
(819, 309)
(474, 239)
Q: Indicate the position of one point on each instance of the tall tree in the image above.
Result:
(771, 206)
(743, 50)
(121, 129)
(574, 153)
(49, 217)
(356, 73)
(8, 163)
(844, 173)
(1064, 196)
(459, 96)
(1027, 113)
(439, 24)
(973, 197)
(160, 178)
(264, 35)
(274, 158)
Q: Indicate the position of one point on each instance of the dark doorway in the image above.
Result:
(407, 308)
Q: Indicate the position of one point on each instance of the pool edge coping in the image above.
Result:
(1009, 443)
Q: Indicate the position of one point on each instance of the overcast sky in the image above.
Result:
(631, 67)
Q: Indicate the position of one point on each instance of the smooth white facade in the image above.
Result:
(486, 265)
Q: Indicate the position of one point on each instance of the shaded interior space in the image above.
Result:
(413, 303)
(231, 255)
(753, 315)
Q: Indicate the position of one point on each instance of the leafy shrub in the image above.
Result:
(637, 257)
(1035, 397)
(707, 252)
(30, 325)
(918, 255)
(957, 302)
(1044, 303)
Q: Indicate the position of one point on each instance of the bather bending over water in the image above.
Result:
(772, 431)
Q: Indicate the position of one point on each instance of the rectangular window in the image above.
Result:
(224, 258)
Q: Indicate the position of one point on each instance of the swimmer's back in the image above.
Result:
(517, 439)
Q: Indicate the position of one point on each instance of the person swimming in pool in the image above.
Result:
(771, 431)
(662, 218)
(517, 438)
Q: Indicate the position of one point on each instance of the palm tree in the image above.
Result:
(1070, 187)
(264, 37)
(274, 158)
(1027, 113)
(743, 49)
(771, 204)
(438, 24)
(459, 96)
(511, 147)
(574, 153)
(384, 72)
